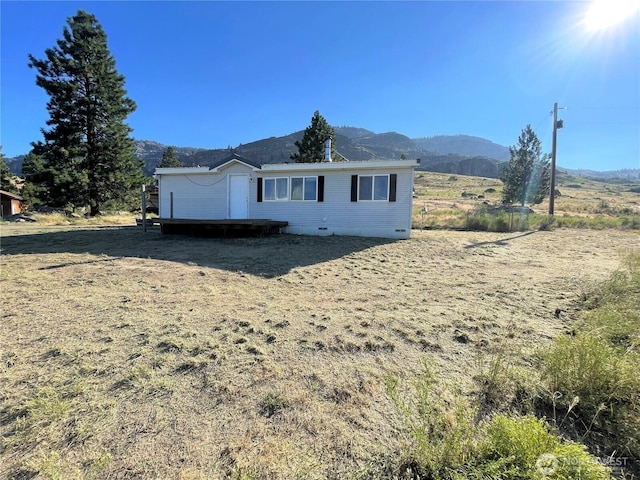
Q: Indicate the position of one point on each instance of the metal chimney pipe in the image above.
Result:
(327, 150)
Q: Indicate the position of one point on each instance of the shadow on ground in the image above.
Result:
(267, 257)
(500, 242)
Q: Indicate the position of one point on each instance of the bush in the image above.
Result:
(525, 448)
(448, 442)
(272, 404)
(588, 367)
(441, 426)
(591, 379)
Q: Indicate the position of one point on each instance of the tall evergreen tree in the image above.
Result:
(526, 176)
(6, 176)
(87, 155)
(169, 159)
(311, 148)
(39, 187)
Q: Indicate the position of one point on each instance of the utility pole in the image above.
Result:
(552, 189)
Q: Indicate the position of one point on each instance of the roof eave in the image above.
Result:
(352, 165)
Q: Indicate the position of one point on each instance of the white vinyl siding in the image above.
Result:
(204, 195)
(197, 196)
(338, 215)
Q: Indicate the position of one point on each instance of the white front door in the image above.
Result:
(238, 196)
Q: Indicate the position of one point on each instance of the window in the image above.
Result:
(373, 187)
(276, 189)
(304, 188)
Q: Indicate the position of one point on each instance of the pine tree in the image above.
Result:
(169, 159)
(311, 148)
(526, 176)
(87, 155)
(6, 176)
(39, 187)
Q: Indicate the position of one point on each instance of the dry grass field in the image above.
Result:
(445, 200)
(129, 355)
(132, 355)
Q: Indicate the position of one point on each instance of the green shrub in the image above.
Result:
(450, 443)
(272, 404)
(587, 367)
(592, 378)
(484, 220)
(526, 448)
(617, 325)
(500, 223)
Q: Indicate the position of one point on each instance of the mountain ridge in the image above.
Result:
(456, 154)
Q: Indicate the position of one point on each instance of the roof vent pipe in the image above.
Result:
(327, 150)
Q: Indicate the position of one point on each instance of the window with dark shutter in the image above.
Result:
(373, 188)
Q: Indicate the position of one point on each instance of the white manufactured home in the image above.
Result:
(370, 198)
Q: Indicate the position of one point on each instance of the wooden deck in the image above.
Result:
(233, 228)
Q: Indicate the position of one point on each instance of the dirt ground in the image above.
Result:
(131, 355)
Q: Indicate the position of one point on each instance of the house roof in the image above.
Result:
(289, 167)
(234, 158)
(4, 193)
(352, 165)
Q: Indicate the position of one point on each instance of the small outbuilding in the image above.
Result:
(10, 204)
(369, 198)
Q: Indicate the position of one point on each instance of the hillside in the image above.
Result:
(455, 154)
(464, 145)
(355, 144)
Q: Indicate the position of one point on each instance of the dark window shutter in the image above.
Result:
(321, 188)
(259, 189)
(354, 188)
(393, 180)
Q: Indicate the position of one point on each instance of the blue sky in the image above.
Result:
(214, 74)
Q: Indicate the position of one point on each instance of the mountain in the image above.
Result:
(353, 143)
(464, 145)
(15, 164)
(612, 176)
(455, 154)
(462, 165)
(353, 132)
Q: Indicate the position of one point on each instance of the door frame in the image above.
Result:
(230, 195)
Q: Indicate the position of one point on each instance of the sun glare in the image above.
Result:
(607, 13)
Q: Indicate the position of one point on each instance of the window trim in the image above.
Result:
(373, 188)
(275, 189)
